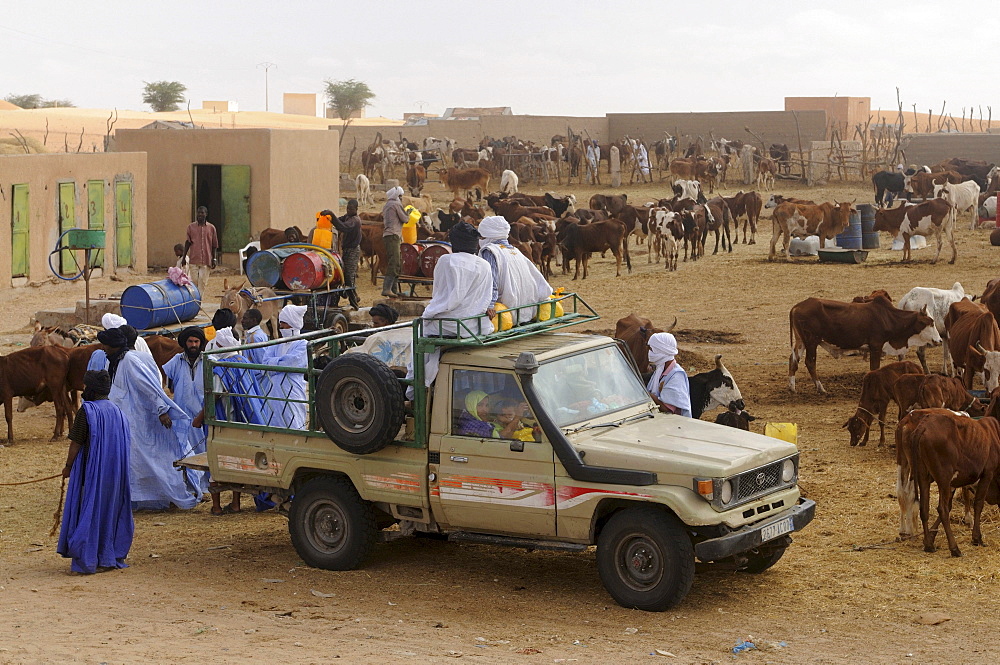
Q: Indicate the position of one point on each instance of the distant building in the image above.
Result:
(474, 112)
(299, 103)
(221, 107)
(842, 113)
(418, 116)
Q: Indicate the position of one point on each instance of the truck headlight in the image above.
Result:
(788, 471)
(726, 492)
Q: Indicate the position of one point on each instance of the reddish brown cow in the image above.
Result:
(513, 211)
(271, 237)
(792, 219)
(720, 220)
(766, 170)
(78, 356)
(922, 183)
(683, 169)
(841, 326)
(416, 174)
(930, 217)
(635, 331)
(871, 296)
(373, 248)
(947, 392)
(748, 204)
(163, 349)
(27, 373)
(974, 342)
(876, 393)
(582, 240)
(991, 297)
(463, 181)
(613, 204)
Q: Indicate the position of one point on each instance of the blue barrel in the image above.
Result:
(158, 304)
(869, 236)
(851, 237)
(263, 268)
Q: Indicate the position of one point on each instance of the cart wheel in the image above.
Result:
(337, 323)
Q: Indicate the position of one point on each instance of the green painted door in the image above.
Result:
(20, 249)
(67, 220)
(95, 215)
(235, 207)
(123, 224)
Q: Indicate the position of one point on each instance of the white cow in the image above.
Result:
(363, 189)
(937, 302)
(687, 189)
(663, 224)
(508, 182)
(962, 197)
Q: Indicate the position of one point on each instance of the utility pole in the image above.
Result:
(266, 66)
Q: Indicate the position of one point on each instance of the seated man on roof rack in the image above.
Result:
(516, 280)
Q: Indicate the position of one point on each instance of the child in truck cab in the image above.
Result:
(508, 423)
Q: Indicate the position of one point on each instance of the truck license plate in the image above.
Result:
(772, 531)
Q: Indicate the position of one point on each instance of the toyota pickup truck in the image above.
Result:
(591, 462)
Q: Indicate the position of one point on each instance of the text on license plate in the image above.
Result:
(772, 531)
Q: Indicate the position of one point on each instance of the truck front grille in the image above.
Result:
(756, 482)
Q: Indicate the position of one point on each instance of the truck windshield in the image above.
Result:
(587, 384)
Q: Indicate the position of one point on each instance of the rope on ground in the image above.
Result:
(28, 482)
(57, 516)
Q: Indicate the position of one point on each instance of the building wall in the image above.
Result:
(221, 106)
(43, 173)
(933, 148)
(299, 103)
(844, 113)
(291, 171)
(773, 126)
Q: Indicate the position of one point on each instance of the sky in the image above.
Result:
(553, 57)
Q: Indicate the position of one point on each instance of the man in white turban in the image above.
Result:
(110, 321)
(288, 408)
(669, 384)
(516, 280)
(393, 217)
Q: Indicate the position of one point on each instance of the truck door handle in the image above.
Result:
(459, 459)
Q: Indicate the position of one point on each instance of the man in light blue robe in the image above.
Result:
(289, 408)
(160, 430)
(187, 380)
(252, 334)
(669, 385)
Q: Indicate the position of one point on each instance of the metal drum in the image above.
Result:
(307, 270)
(869, 236)
(851, 237)
(409, 255)
(263, 268)
(161, 303)
(429, 257)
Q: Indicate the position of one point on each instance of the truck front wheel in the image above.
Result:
(645, 559)
(331, 526)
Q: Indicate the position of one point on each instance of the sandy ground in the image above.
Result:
(231, 589)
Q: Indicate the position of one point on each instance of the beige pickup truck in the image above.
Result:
(590, 460)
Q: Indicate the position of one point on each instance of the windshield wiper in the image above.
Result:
(612, 423)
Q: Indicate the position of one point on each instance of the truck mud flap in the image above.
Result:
(754, 535)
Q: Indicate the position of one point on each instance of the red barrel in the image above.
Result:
(410, 258)
(429, 258)
(308, 270)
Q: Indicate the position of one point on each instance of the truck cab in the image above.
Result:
(532, 437)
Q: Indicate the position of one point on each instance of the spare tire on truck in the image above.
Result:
(359, 402)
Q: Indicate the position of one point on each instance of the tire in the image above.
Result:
(330, 525)
(337, 323)
(360, 403)
(645, 559)
(761, 560)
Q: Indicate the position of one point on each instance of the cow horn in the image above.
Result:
(718, 361)
(672, 325)
(979, 347)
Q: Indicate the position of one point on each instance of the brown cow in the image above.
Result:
(79, 357)
(873, 295)
(460, 181)
(922, 183)
(416, 174)
(373, 249)
(271, 237)
(720, 219)
(947, 392)
(974, 342)
(746, 204)
(766, 170)
(27, 373)
(792, 219)
(934, 216)
(991, 297)
(583, 239)
(841, 326)
(513, 211)
(635, 331)
(683, 169)
(876, 393)
(163, 349)
(613, 204)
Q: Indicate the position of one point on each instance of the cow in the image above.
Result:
(693, 233)
(933, 216)
(561, 205)
(714, 389)
(962, 197)
(79, 356)
(688, 189)
(508, 182)
(668, 232)
(776, 200)
(975, 342)
(746, 204)
(936, 302)
(706, 172)
(373, 249)
(791, 219)
(766, 171)
(683, 169)
(888, 185)
(513, 211)
(719, 220)
(876, 392)
(735, 418)
(30, 371)
(839, 325)
(462, 181)
(951, 450)
(363, 189)
(635, 331)
(442, 146)
(947, 392)
(271, 237)
(782, 156)
(612, 204)
(416, 174)
(922, 184)
(991, 297)
(581, 240)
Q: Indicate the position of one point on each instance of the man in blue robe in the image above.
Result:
(97, 524)
(289, 407)
(187, 380)
(160, 430)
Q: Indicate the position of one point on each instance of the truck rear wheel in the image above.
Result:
(645, 559)
(359, 402)
(331, 526)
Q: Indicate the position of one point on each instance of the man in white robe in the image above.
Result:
(668, 385)
(516, 280)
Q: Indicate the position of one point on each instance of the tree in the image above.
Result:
(25, 101)
(163, 95)
(57, 103)
(347, 98)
